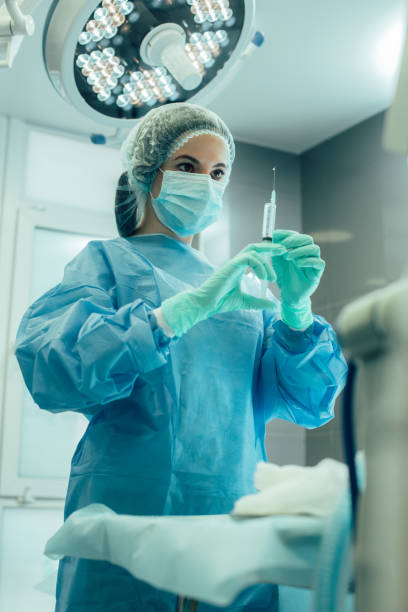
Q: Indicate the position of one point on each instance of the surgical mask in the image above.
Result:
(188, 203)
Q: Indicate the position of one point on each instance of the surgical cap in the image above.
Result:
(160, 133)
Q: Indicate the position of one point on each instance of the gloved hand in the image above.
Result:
(298, 271)
(222, 291)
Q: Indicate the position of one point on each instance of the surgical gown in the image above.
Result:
(176, 426)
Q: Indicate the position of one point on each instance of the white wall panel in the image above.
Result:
(23, 534)
(47, 440)
(52, 250)
(71, 172)
(3, 298)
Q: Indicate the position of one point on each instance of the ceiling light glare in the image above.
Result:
(331, 236)
(122, 100)
(378, 281)
(196, 38)
(221, 37)
(126, 7)
(82, 60)
(117, 71)
(110, 31)
(108, 52)
(111, 82)
(388, 50)
(104, 95)
(84, 38)
(101, 15)
(136, 76)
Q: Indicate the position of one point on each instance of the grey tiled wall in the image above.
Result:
(351, 183)
(249, 189)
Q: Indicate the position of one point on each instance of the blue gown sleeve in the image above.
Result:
(302, 372)
(76, 350)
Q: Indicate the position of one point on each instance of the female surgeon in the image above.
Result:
(176, 369)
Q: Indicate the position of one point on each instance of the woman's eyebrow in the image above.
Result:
(193, 159)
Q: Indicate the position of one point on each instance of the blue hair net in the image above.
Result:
(151, 142)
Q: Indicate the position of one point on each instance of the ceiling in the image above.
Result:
(324, 67)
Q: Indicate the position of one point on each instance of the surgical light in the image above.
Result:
(116, 59)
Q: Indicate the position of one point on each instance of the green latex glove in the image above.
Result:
(222, 291)
(298, 273)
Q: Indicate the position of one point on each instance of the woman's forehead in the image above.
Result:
(204, 146)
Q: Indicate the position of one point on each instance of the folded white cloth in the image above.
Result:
(292, 489)
(210, 558)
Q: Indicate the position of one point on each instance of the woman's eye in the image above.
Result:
(186, 167)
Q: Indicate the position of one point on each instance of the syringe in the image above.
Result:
(268, 225)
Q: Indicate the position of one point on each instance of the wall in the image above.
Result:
(249, 189)
(56, 193)
(351, 183)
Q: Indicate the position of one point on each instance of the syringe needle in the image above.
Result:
(273, 194)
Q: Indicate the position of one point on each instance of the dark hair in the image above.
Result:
(125, 207)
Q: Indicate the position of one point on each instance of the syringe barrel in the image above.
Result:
(268, 226)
